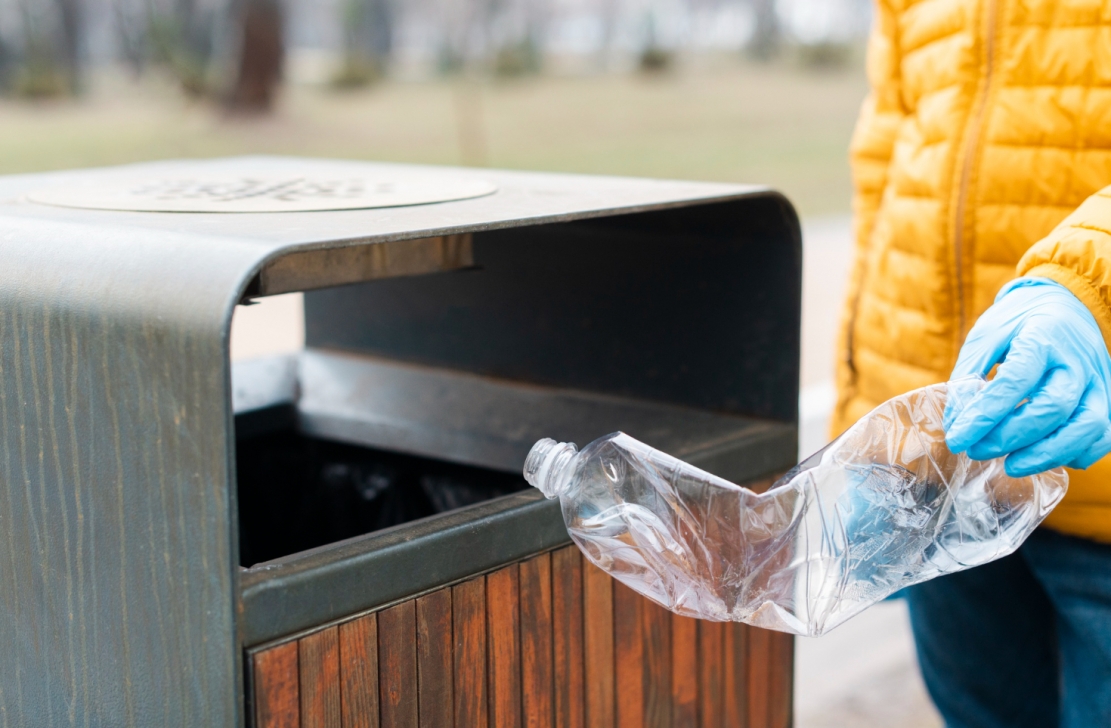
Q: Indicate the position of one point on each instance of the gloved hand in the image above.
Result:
(1050, 401)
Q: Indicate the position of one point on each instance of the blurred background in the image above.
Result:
(704, 89)
(761, 91)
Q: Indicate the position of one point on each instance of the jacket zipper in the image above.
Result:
(854, 308)
(972, 139)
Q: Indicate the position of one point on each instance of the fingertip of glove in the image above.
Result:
(948, 418)
(957, 433)
(1018, 471)
(955, 444)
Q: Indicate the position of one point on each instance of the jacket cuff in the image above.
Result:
(1080, 287)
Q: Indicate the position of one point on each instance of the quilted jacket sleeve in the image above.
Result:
(1077, 254)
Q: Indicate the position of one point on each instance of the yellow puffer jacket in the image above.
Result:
(979, 155)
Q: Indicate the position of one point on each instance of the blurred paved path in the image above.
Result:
(826, 254)
(862, 675)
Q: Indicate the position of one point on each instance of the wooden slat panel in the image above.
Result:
(468, 606)
(434, 663)
(735, 674)
(535, 584)
(397, 662)
(684, 672)
(567, 636)
(503, 627)
(358, 665)
(711, 686)
(319, 669)
(628, 657)
(551, 641)
(598, 669)
(276, 687)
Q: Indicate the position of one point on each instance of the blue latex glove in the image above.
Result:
(1050, 401)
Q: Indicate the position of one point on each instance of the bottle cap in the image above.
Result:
(545, 466)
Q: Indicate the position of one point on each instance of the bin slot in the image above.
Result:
(492, 423)
(357, 411)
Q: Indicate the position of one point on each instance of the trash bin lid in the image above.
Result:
(294, 187)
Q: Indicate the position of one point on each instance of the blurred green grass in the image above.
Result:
(779, 124)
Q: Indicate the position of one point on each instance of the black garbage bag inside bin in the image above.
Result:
(297, 492)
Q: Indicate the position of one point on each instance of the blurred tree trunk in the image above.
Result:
(132, 28)
(47, 61)
(368, 36)
(380, 17)
(610, 14)
(767, 34)
(261, 56)
(70, 19)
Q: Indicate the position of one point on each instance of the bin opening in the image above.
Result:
(320, 437)
(298, 492)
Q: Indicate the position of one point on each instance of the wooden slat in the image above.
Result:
(358, 666)
(318, 665)
(711, 685)
(397, 663)
(567, 636)
(684, 672)
(535, 584)
(759, 678)
(598, 670)
(628, 657)
(504, 667)
(762, 484)
(468, 606)
(769, 663)
(656, 623)
(324, 268)
(780, 683)
(434, 663)
(276, 687)
(735, 674)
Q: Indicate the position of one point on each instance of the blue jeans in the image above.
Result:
(1023, 641)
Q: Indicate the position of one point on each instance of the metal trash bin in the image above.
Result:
(164, 560)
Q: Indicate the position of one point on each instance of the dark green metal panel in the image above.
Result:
(117, 574)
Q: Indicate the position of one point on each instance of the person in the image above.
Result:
(981, 161)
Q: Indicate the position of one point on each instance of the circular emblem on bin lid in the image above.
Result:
(307, 189)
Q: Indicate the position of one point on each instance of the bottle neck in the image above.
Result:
(548, 467)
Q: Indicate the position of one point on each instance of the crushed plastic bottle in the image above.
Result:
(884, 506)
